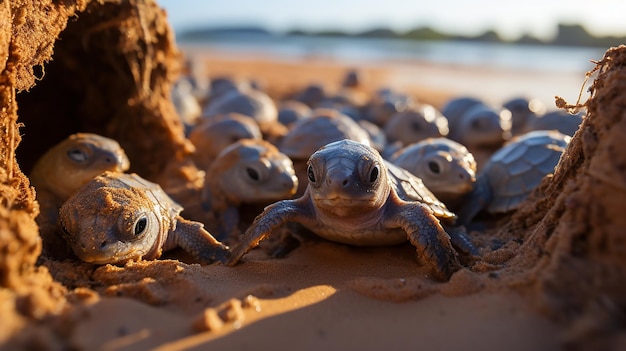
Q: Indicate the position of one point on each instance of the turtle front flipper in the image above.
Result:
(193, 238)
(273, 217)
(433, 244)
(460, 240)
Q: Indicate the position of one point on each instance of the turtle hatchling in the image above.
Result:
(513, 172)
(249, 171)
(62, 170)
(307, 135)
(447, 168)
(481, 126)
(415, 124)
(355, 197)
(118, 217)
(211, 136)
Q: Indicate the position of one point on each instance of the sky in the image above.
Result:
(510, 18)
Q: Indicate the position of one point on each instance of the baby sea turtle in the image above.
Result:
(62, 170)
(186, 104)
(481, 126)
(447, 168)
(558, 120)
(352, 79)
(308, 135)
(417, 123)
(248, 171)
(355, 197)
(323, 127)
(523, 111)
(118, 217)
(291, 111)
(211, 136)
(384, 104)
(456, 107)
(513, 172)
(249, 102)
(223, 84)
(311, 95)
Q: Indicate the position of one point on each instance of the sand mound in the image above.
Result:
(562, 252)
(113, 65)
(576, 226)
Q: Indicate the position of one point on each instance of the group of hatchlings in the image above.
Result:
(375, 171)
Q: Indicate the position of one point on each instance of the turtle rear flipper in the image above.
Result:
(193, 238)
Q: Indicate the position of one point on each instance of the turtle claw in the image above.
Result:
(460, 240)
(431, 241)
(234, 257)
(214, 254)
(442, 262)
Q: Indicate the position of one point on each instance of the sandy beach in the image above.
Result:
(429, 82)
(323, 294)
(549, 277)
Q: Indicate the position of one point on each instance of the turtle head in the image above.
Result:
(347, 178)
(104, 223)
(251, 171)
(484, 126)
(415, 124)
(446, 167)
(211, 136)
(94, 152)
(443, 173)
(76, 160)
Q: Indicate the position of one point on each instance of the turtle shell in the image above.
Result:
(292, 111)
(249, 102)
(481, 125)
(417, 123)
(411, 188)
(446, 167)
(556, 120)
(515, 170)
(324, 127)
(455, 108)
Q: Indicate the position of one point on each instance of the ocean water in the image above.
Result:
(371, 50)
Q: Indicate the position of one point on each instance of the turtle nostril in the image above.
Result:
(103, 244)
(345, 182)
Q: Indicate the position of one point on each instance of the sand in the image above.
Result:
(427, 81)
(322, 295)
(551, 277)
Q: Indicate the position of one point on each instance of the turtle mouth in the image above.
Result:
(339, 201)
(115, 258)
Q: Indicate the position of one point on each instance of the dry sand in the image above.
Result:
(323, 295)
(553, 279)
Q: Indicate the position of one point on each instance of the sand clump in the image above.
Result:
(561, 253)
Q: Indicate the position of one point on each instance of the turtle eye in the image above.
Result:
(434, 167)
(310, 174)
(252, 173)
(140, 225)
(416, 126)
(77, 155)
(374, 174)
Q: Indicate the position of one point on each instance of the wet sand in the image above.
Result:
(429, 82)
